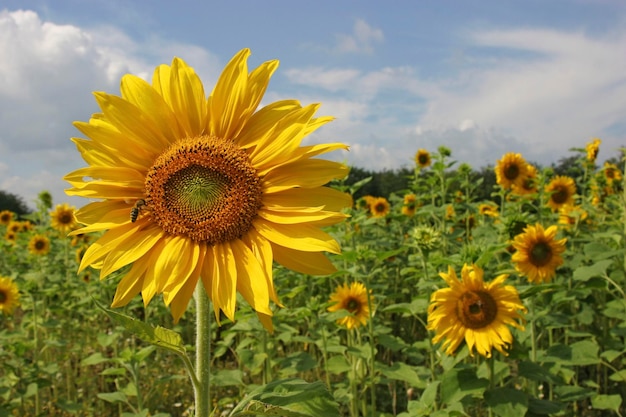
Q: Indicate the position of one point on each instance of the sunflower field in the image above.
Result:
(222, 269)
(508, 307)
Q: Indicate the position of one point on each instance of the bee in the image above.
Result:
(134, 212)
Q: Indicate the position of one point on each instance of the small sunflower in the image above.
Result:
(6, 217)
(528, 185)
(488, 209)
(474, 311)
(592, 149)
(511, 169)
(365, 202)
(450, 213)
(9, 295)
(352, 298)
(422, 158)
(10, 237)
(571, 215)
(39, 245)
(426, 237)
(379, 207)
(538, 253)
(611, 173)
(63, 218)
(14, 227)
(213, 190)
(561, 191)
(409, 205)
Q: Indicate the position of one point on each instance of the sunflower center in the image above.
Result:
(540, 254)
(66, 218)
(560, 195)
(476, 309)
(423, 159)
(3, 297)
(205, 189)
(40, 244)
(353, 305)
(511, 171)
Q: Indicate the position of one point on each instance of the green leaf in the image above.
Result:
(227, 377)
(288, 398)
(400, 371)
(584, 352)
(457, 384)
(536, 372)
(94, 359)
(543, 407)
(607, 402)
(584, 273)
(158, 336)
(337, 364)
(507, 402)
(113, 397)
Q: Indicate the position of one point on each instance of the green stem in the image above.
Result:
(202, 391)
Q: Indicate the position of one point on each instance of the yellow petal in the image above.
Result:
(187, 97)
(312, 263)
(263, 121)
(304, 237)
(329, 198)
(225, 281)
(308, 173)
(131, 284)
(250, 283)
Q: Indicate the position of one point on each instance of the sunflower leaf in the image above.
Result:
(288, 398)
(158, 336)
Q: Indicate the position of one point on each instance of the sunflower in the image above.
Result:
(205, 190)
(39, 245)
(592, 149)
(561, 190)
(450, 213)
(10, 237)
(352, 298)
(571, 215)
(63, 218)
(9, 295)
(511, 169)
(14, 227)
(488, 209)
(409, 205)
(422, 158)
(611, 173)
(538, 253)
(529, 184)
(379, 207)
(6, 216)
(474, 311)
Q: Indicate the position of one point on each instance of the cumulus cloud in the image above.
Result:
(47, 74)
(361, 41)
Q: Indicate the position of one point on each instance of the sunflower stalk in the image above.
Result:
(202, 388)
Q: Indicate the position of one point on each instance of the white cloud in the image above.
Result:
(361, 41)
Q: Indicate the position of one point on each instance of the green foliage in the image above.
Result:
(14, 203)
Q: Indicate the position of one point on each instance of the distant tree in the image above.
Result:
(569, 166)
(14, 203)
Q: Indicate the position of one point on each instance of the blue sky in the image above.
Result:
(481, 77)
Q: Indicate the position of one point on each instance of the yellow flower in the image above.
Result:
(511, 169)
(10, 237)
(611, 173)
(529, 184)
(14, 227)
(379, 207)
(571, 215)
(538, 253)
(63, 218)
(422, 158)
(488, 209)
(6, 216)
(592, 149)
(474, 311)
(352, 298)
(213, 190)
(409, 206)
(9, 295)
(39, 245)
(561, 192)
(450, 213)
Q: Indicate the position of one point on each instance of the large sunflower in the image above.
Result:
(474, 311)
(205, 189)
(422, 158)
(63, 218)
(9, 295)
(561, 190)
(538, 253)
(352, 298)
(511, 170)
(39, 245)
